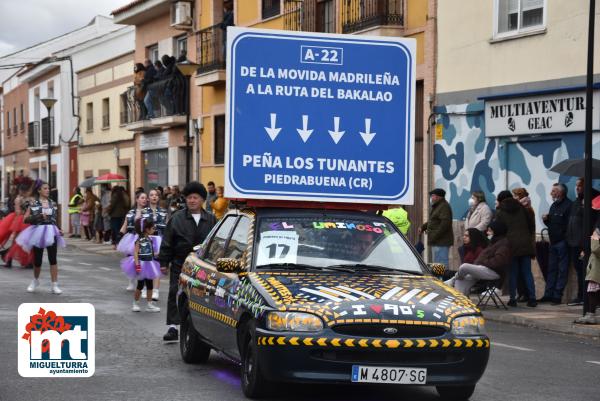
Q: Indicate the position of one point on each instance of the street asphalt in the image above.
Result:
(133, 363)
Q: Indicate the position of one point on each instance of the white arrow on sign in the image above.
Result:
(336, 134)
(304, 132)
(272, 131)
(367, 136)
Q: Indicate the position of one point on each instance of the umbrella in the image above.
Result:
(88, 182)
(576, 168)
(108, 178)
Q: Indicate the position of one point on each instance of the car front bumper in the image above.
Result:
(294, 357)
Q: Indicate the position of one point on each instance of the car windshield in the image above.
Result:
(345, 243)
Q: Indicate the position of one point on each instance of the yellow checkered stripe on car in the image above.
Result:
(213, 314)
(372, 343)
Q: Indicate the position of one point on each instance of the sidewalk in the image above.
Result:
(558, 319)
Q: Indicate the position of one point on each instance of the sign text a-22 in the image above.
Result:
(319, 117)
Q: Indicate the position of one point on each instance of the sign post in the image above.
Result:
(319, 117)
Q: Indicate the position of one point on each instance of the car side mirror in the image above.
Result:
(437, 269)
(229, 265)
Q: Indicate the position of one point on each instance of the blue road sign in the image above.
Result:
(319, 117)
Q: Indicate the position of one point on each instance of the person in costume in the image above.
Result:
(127, 243)
(159, 217)
(142, 265)
(13, 224)
(42, 234)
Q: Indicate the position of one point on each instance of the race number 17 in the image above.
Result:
(322, 55)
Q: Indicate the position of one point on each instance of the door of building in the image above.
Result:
(156, 168)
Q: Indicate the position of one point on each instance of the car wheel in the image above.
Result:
(455, 393)
(193, 350)
(254, 384)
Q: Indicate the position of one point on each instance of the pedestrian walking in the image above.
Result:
(521, 230)
(158, 215)
(575, 241)
(186, 229)
(491, 264)
(399, 217)
(143, 265)
(43, 234)
(75, 213)
(127, 244)
(117, 211)
(522, 196)
(593, 280)
(479, 215)
(440, 236)
(557, 221)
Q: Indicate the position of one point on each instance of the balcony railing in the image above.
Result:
(362, 14)
(33, 134)
(89, 126)
(211, 49)
(106, 121)
(167, 98)
(47, 130)
(123, 117)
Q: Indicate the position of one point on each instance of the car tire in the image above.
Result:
(254, 385)
(455, 393)
(193, 349)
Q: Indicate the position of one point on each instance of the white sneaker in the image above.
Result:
(131, 285)
(136, 306)
(144, 294)
(152, 308)
(54, 289)
(35, 283)
(107, 243)
(155, 295)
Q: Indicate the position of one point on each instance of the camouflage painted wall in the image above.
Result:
(466, 161)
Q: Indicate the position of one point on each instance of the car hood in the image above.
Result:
(346, 298)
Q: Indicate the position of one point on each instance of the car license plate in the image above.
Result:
(382, 374)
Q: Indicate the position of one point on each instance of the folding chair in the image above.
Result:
(489, 294)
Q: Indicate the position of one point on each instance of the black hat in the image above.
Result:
(439, 192)
(503, 195)
(499, 228)
(194, 187)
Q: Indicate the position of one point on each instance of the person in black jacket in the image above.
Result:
(557, 221)
(149, 77)
(186, 229)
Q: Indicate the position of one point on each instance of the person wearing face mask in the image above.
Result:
(491, 264)
(521, 230)
(557, 221)
(479, 214)
(440, 236)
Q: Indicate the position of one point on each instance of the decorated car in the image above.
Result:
(313, 295)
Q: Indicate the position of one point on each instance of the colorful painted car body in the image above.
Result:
(295, 294)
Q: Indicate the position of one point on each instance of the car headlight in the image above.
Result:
(293, 321)
(468, 326)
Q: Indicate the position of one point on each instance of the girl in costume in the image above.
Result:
(21, 203)
(142, 265)
(42, 234)
(159, 217)
(127, 243)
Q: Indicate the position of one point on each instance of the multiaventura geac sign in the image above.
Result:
(541, 114)
(319, 117)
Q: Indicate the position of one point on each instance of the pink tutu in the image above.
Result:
(127, 244)
(5, 227)
(150, 269)
(40, 236)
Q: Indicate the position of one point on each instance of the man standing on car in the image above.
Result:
(186, 229)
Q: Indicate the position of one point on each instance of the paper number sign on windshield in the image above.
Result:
(277, 247)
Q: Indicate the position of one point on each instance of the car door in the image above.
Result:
(207, 278)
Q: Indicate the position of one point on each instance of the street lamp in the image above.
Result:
(49, 103)
(187, 68)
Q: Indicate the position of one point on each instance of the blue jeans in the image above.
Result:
(521, 267)
(148, 104)
(439, 254)
(558, 269)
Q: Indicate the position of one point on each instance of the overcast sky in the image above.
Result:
(26, 22)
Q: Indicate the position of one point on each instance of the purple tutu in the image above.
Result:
(40, 236)
(150, 269)
(156, 241)
(127, 244)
